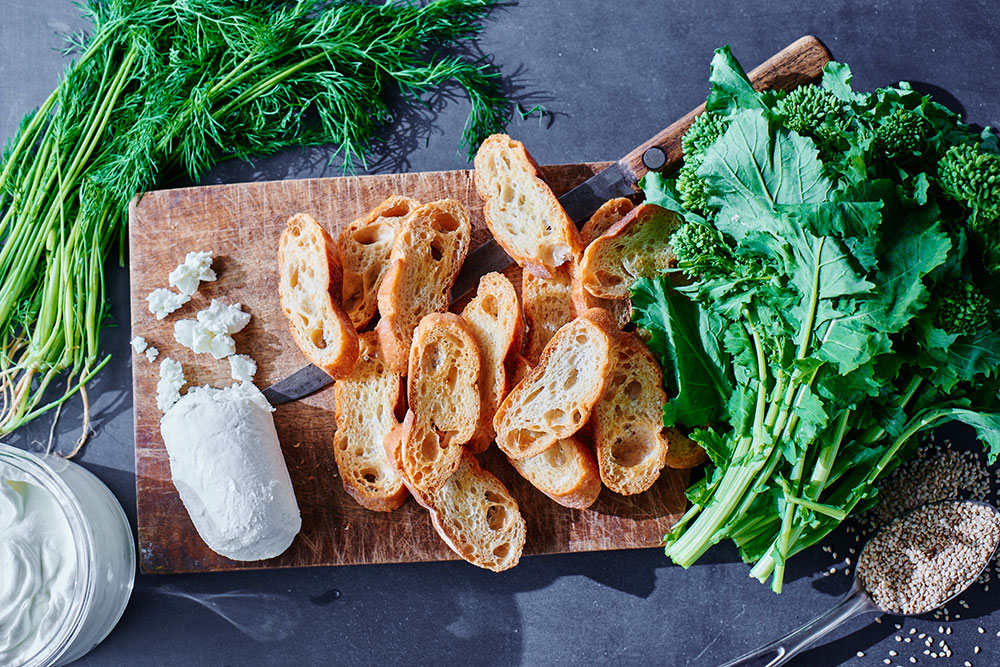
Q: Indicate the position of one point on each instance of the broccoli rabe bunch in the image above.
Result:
(838, 245)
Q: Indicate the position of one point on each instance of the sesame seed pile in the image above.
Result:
(936, 472)
(924, 558)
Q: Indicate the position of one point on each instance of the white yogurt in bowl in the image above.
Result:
(67, 560)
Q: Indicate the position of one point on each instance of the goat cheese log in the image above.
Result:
(227, 465)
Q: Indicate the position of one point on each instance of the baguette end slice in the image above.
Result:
(309, 289)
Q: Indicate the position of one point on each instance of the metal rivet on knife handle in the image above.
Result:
(654, 158)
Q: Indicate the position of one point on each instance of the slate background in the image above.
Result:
(611, 74)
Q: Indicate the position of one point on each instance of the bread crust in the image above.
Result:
(365, 245)
(570, 458)
(519, 433)
(309, 287)
(635, 246)
(627, 422)
(427, 254)
(603, 218)
(494, 317)
(368, 402)
(552, 239)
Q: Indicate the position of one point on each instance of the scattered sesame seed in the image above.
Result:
(861, 654)
(898, 638)
(912, 659)
(893, 654)
(981, 629)
(975, 650)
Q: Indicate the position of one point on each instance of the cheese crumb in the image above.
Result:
(152, 353)
(222, 319)
(242, 367)
(197, 267)
(168, 389)
(139, 344)
(162, 302)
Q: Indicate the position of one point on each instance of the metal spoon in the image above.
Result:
(857, 602)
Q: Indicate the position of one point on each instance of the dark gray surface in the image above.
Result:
(612, 73)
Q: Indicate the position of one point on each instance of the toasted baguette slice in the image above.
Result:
(477, 518)
(636, 246)
(555, 399)
(428, 252)
(547, 307)
(565, 472)
(442, 389)
(494, 317)
(627, 421)
(472, 511)
(610, 212)
(683, 452)
(367, 403)
(309, 288)
(365, 245)
(526, 219)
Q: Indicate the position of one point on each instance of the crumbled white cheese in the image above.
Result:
(162, 302)
(139, 344)
(197, 267)
(168, 389)
(242, 367)
(152, 353)
(209, 334)
(222, 319)
(196, 337)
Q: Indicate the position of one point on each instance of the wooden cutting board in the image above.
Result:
(241, 223)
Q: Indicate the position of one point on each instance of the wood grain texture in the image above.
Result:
(242, 223)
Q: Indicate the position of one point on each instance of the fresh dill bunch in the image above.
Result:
(165, 88)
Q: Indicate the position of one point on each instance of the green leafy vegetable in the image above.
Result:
(164, 88)
(839, 303)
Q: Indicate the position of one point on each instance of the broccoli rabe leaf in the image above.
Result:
(689, 347)
(751, 169)
(731, 88)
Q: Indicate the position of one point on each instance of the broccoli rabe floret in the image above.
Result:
(692, 188)
(699, 248)
(811, 111)
(960, 308)
(705, 129)
(972, 178)
(902, 132)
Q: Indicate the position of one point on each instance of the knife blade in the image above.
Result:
(799, 63)
(301, 383)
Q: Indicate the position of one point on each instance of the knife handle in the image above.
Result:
(798, 63)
